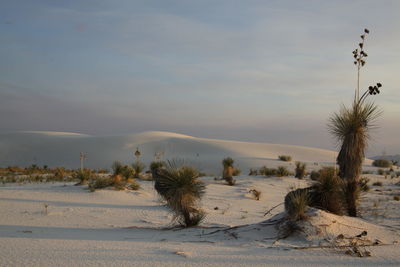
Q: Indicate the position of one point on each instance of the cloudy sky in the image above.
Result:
(266, 71)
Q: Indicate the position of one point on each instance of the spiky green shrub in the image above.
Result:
(100, 183)
(83, 176)
(282, 171)
(285, 158)
(138, 167)
(296, 203)
(125, 171)
(351, 127)
(300, 170)
(181, 189)
(383, 163)
(327, 193)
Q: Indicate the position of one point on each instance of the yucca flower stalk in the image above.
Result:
(351, 127)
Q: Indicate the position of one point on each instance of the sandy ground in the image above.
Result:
(65, 225)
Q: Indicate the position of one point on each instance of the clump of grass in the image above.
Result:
(256, 194)
(100, 183)
(236, 172)
(383, 163)
(282, 171)
(377, 184)
(397, 198)
(267, 171)
(285, 158)
(363, 183)
(300, 170)
(296, 203)
(138, 166)
(181, 189)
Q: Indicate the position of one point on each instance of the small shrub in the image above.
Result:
(138, 166)
(267, 171)
(381, 171)
(383, 163)
(397, 198)
(300, 170)
(377, 184)
(100, 183)
(253, 172)
(282, 171)
(285, 158)
(83, 176)
(256, 194)
(364, 187)
(296, 203)
(181, 189)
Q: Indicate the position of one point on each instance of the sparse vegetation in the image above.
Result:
(228, 171)
(381, 171)
(383, 163)
(83, 176)
(300, 170)
(155, 166)
(285, 158)
(181, 189)
(351, 129)
(397, 198)
(267, 171)
(253, 172)
(138, 167)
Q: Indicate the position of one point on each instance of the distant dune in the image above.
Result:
(62, 149)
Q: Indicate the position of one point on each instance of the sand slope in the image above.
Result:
(62, 149)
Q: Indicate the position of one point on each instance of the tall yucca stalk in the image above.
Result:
(351, 126)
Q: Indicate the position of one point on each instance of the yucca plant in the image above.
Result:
(296, 203)
(181, 189)
(351, 127)
(228, 171)
(300, 170)
(155, 166)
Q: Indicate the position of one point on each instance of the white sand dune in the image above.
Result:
(62, 149)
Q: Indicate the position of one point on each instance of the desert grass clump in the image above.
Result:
(296, 204)
(285, 158)
(265, 171)
(255, 193)
(181, 189)
(282, 171)
(351, 127)
(383, 163)
(300, 170)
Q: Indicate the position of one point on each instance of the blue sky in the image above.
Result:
(268, 71)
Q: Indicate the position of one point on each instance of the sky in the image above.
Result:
(263, 71)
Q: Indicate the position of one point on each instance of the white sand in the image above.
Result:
(110, 228)
(65, 225)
